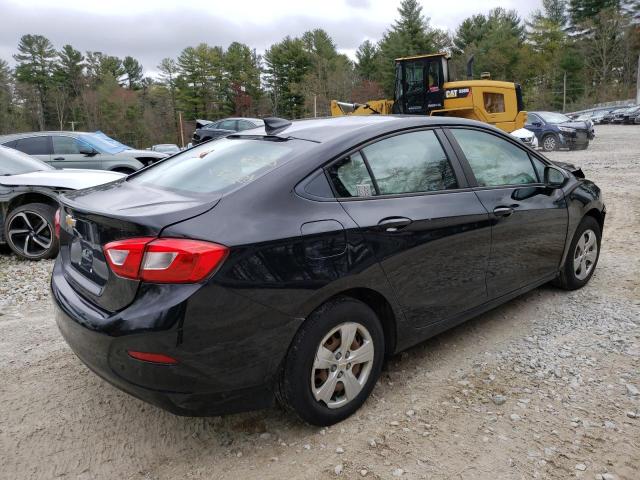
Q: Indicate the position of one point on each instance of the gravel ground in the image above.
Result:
(546, 386)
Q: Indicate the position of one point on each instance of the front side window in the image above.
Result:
(493, 102)
(410, 163)
(493, 160)
(66, 145)
(34, 145)
(351, 178)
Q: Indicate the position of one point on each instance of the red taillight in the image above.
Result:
(164, 260)
(56, 223)
(153, 357)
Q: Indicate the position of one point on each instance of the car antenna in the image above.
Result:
(274, 125)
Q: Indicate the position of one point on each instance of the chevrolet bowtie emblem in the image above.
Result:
(70, 221)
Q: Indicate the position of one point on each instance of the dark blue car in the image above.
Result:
(556, 130)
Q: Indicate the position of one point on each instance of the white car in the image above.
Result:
(527, 137)
(29, 190)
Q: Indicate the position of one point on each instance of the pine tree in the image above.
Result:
(133, 70)
(35, 62)
(366, 64)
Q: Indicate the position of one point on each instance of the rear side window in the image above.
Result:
(34, 145)
(219, 166)
(410, 163)
(351, 178)
(493, 160)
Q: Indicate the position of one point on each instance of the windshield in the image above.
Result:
(218, 166)
(551, 117)
(13, 162)
(103, 143)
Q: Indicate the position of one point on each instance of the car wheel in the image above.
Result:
(333, 362)
(30, 231)
(549, 143)
(583, 255)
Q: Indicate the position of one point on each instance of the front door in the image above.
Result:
(66, 153)
(529, 219)
(430, 234)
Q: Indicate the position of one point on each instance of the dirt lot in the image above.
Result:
(544, 387)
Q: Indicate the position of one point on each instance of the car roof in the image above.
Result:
(13, 136)
(327, 129)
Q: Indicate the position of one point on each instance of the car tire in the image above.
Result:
(30, 231)
(343, 386)
(582, 257)
(550, 142)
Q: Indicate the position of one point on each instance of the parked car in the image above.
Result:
(556, 130)
(81, 150)
(630, 115)
(206, 130)
(610, 116)
(598, 116)
(168, 148)
(619, 114)
(526, 136)
(29, 191)
(290, 262)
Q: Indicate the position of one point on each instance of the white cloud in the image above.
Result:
(152, 29)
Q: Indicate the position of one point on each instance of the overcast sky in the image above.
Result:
(150, 30)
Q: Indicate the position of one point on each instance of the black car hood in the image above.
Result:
(571, 168)
(133, 202)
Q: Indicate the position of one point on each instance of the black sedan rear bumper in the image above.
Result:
(191, 387)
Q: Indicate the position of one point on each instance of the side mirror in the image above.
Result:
(536, 124)
(87, 150)
(554, 177)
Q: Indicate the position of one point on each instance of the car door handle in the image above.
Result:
(59, 158)
(393, 224)
(502, 211)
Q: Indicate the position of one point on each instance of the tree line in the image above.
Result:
(593, 45)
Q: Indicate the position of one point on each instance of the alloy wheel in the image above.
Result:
(342, 364)
(549, 143)
(30, 234)
(585, 254)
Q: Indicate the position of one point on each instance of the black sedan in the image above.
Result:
(289, 263)
(29, 191)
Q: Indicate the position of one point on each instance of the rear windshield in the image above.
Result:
(218, 166)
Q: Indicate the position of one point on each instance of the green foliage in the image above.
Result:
(133, 71)
(366, 64)
(594, 44)
(286, 64)
(411, 34)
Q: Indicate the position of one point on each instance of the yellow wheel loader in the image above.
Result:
(422, 87)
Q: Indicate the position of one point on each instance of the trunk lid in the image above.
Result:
(91, 218)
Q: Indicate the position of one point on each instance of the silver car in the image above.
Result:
(94, 151)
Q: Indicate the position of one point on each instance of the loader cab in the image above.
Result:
(419, 86)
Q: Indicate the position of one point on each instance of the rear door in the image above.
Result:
(429, 232)
(529, 219)
(37, 146)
